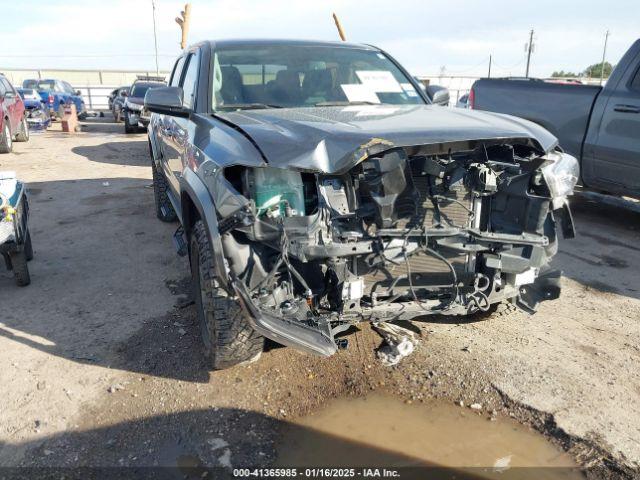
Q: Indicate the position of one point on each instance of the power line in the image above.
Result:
(98, 55)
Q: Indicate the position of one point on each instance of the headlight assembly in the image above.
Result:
(561, 175)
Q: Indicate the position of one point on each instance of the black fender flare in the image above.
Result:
(192, 186)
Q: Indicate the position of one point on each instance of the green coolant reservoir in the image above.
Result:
(278, 192)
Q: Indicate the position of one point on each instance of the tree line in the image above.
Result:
(592, 71)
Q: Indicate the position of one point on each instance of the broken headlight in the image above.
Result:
(562, 174)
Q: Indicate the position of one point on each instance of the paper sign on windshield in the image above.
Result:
(379, 80)
(360, 93)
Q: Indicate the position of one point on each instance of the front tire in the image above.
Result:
(23, 131)
(20, 268)
(227, 335)
(164, 209)
(6, 142)
(128, 128)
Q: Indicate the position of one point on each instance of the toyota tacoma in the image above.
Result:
(316, 187)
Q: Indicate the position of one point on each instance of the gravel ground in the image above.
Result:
(103, 366)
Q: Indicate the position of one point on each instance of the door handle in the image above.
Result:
(627, 108)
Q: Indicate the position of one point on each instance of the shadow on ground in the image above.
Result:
(132, 153)
(605, 255)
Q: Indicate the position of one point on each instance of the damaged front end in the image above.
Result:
(405, 231)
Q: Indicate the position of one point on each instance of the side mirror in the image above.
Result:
(438, 95)
(166, 100)
(78, 92)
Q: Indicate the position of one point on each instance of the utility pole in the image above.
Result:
(529, 51)
(339, 27)
(604, 54)
(183, 21)
(155, 36)
(489, 75)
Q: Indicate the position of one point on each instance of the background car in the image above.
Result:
(115, 93)
(35, 111)
(135, 115)
(12, 122)
(117, 104)
(57, 93)
(463, 101)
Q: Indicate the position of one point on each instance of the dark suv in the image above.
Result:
(133, 111)
(316, 187)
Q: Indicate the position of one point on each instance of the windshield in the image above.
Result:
(140, 89)
(304, 76)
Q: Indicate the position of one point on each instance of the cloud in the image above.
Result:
(460, 34)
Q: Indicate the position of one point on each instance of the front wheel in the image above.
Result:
(128, 128)
(6, 142)
(226, 332)
(23, 131)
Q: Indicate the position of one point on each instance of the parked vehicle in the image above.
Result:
(600, 126)
(115, 93)
(463, 101)
(57, 93)
(15, 239)
(437, 94)
(135, 115)
(117, 106)
(316, 187)
(35, 111)
(13, 125)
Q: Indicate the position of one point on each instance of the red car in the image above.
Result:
(13, 124)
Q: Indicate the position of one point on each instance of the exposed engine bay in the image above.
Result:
(406, 232)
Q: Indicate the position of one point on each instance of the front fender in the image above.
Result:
(192, 186)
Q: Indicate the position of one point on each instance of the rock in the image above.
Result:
(115, 387)
(47, 452)
(225, 458)
(461, 403)
(217, 443)
(41, 385)
(475, 406)
(182, 331)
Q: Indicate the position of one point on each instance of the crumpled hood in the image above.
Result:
(333, 139)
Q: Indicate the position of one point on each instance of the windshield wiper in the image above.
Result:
(248, 106)
(344, 103)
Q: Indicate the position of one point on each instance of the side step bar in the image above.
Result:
(180, 242)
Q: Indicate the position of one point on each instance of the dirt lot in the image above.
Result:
(102, 363)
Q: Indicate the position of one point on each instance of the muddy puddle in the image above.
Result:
(382, 430)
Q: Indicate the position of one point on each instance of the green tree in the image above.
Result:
(595, 70)
(563, 74)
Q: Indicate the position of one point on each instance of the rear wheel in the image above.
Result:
(6, 142)
(20, 268)
(23, 131)
(227, 334)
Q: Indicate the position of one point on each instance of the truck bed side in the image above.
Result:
(564, 110)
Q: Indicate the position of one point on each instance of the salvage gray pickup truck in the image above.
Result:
(316, 188)
(600, 126)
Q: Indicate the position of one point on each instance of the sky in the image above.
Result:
(428, 37)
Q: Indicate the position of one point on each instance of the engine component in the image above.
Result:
(277, 192)
(385, 179)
